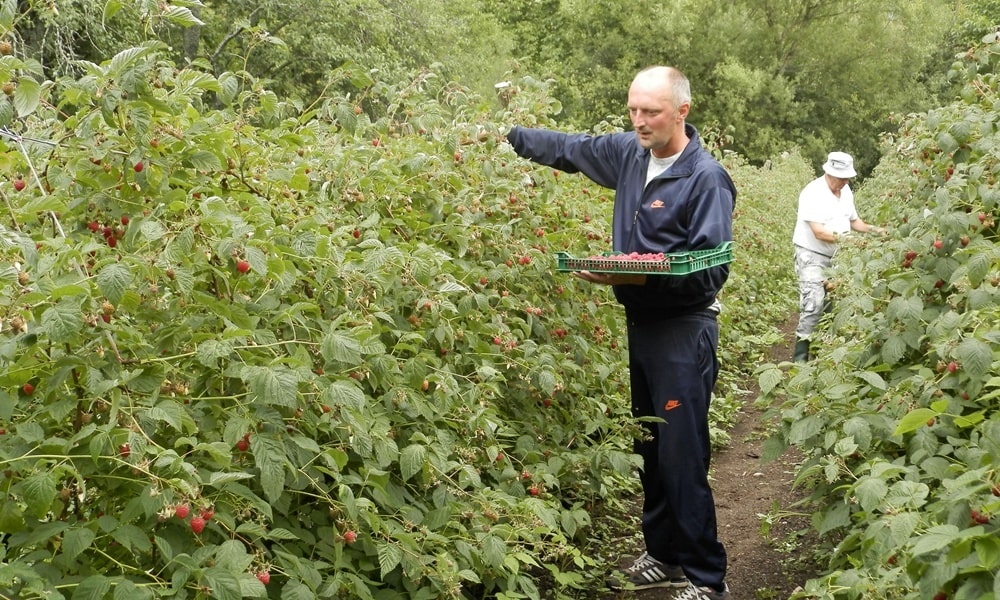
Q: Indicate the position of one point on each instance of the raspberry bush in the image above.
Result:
(898, 415)
(252, 348)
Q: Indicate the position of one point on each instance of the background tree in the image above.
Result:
(810, 73)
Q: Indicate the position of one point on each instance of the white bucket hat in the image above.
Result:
(840, 165)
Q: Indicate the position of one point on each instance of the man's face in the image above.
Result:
(836, 183)
(657, 123)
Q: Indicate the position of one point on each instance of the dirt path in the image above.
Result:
(761, 567)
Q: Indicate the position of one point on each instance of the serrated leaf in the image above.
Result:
(179, 15)
(769, 379)
(935, 538)
(547, 382)
(38, 492)
(229, 86)
(389, 557)
(6, 113)
(220, 479)
(114, 280)
(914, 420)
(279, 533)
(494, 549)
(212, 350)
(873, 379)
(173, 414)
(27, 96)
(75, 541)
(11, 516)
(224, 584)
(94, 587)
(127, 590)
(152, 230)
(296, 590)
(452, 286)
(870, 491)
(978, 267)
(343, 393)
(975, 356)
(124, 60)
(893, 350)
(133, 538)
(268, 455)
(232, 556)
(336, 346)
(63, 321)
(412, 460)
(805, 428)
(904, 308)
(204, 161)
(272, 385)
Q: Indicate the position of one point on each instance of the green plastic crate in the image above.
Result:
(673, 263)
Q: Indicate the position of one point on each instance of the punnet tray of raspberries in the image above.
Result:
(670, 263)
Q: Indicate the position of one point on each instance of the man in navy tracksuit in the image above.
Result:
(671, 195)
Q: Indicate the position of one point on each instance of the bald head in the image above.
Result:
(658, 103)
(666, 81)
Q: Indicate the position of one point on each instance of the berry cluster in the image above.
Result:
(111, 234)
(647, 256)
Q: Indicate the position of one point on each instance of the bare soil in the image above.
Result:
(762, 530)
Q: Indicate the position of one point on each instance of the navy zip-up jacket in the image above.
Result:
(688, 207)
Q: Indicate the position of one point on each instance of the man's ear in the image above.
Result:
(683, 110)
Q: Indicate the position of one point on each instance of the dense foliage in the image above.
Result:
(898, 416)
(255, 350)
(812, 74)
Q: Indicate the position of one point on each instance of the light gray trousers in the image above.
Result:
(810, 267)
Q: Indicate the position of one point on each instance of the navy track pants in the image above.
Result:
(673, 369)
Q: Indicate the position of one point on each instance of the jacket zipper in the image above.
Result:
(631, 235)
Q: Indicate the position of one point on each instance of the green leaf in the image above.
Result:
(114, 280)
(272, 385)
(133, 538)
(894, 349)
(873, 379)
(152, 230)
(769, 379)
(975, 356)
(494, 549)
(212, 350)
(11, 517)
(547, 382)
(935, 538)
(988, 552)
(204, 161)
(279, 533)
(805, 428)
(173, 414)
(94, 587)
(179, 15)
(232, 557)
(269, 454)
(870, 491)
(39, 491)
(341, 348)
(27, 96)
(411, 460)
(296, 590)
(223, 583)
(127, 590)
(75, 541)
(389, 557)
(63, 321)
(343, 393)
(914, 420)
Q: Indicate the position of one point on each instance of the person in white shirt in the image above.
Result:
(826, 214)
